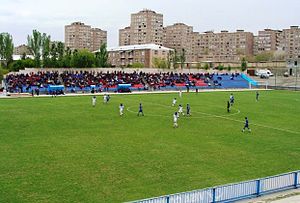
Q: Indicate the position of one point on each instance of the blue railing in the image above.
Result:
(250, 80)
(232, 192)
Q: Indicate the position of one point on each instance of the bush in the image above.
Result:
(160, 63)
(198, 66)
(220, 67)
(206, 66)
(83, 59)
(2, 73)
(138, 65)
(244, 64)
(21, 64)
(229, 68)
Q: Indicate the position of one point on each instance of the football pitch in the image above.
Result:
(64, 150)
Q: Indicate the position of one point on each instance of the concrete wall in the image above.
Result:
(128, 70)
(280, 66)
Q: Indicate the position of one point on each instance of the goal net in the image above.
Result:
(258, 85)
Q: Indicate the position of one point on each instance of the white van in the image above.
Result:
(264, 72)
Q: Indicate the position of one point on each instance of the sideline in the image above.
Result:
(25, 95)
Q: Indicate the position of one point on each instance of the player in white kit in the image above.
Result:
(180, 110)
(121, 108)
(174, 102)
(180, 94)
(175, 120)
(94, 100)
(105, 99)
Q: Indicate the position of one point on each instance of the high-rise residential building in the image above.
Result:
(21, 50)
(99, 37)
(146, 27)
(289, 42)
(267, 40)
(179, 37)
(124, 36)
(81, 36)
(124, 56)
(221, 47)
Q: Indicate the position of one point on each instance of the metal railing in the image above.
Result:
(232, 192)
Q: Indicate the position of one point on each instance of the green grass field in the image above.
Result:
(64, 150)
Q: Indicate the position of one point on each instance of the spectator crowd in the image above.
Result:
(74, 80)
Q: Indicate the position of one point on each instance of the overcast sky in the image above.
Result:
(20, 17)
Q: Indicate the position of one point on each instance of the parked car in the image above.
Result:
(264, 75)
(264, 72)
(286, 74)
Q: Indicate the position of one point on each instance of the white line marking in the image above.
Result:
(260, 125)
(219, 116)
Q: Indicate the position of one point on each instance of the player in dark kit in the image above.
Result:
(188, 110)
(231, 98)
(257, 96)
(228, 106)
(140, 110)
(246, 125)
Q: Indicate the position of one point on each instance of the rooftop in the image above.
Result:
(138, 47)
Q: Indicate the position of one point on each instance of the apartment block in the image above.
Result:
(124, 36)
(123, 56)
(289, 42)
(146, 27)
(22, 49)
(221, 47)
(179, 37)
(267, 40)
(98, 37)
(81, 36)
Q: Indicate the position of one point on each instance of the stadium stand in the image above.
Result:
(90, 81)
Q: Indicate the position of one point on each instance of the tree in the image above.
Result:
(46, 49)
(198, 65)
(264, 56)
(175, 59)
(206, 66)
(160, 63)
(6, 48)
(229, 68)
(169, 59)
(102, 56)
(83, 59)
(279, 55)
(1, 73)
(137, 65)
(67, 57)
(220, 67)
(23, 57)
(244, 64)
(182, 58)
(21, 64)
(53, 53)
(2, 48)
(60, 52)
(34, 43)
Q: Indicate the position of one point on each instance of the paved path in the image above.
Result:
(289, 196)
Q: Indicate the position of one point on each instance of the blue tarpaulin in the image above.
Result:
(124, 86)
(52, 88)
